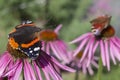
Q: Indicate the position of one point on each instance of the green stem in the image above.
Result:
(99, 74)
(77, 74)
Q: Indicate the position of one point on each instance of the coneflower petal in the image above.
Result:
(80, 38)
(112, 54)
(86, 50)
(80, 47)
(54, 50)
(28, 71)
(103, 52)
(107, 56)
(56, 30)
(37, 70)
(90, 53)
(18, 72)
(12, 69)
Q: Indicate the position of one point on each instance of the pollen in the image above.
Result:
(48, 35)
(13, 44)
(79, 55)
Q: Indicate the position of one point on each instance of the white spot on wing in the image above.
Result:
(31, 51)
(37, 48)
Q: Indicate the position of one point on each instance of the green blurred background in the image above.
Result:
(73, 14)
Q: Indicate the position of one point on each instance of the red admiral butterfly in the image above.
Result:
(25, 38)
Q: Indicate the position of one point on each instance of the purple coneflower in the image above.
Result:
(15, 62)
(53, 45)
(102, 35)
(83, 65)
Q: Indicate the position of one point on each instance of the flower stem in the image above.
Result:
(99, 74)
(77, 74)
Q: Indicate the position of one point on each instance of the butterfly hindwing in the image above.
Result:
(33, 51)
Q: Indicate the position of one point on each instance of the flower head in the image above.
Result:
(102, 35)
(25, 57)
(83, 65)
(53, 45)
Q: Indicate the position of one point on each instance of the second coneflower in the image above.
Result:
(75, 63)
(102, 35)
(53, 45)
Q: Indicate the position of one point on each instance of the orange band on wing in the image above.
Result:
(13, 30)
(13, 44)
(30, 44)
(25, 25)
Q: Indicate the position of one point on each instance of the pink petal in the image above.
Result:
(11, 70)
(58, 28)
(63, 55)
(62, 66)
(86, 49)
(102, 47)
(28, 71)
(80, 38)
(116, 52)
(90, 70)
(49, 69)
(107, 55)
(90, 53)
(95, 64)
(46, 74)
(37, 70)
(54, 50)
(80, 47)
(111, 53)
(47, 48)
(4, 65)
(18, 72)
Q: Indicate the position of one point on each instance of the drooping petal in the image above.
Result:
(112, 53)
(90, 53)
(54, 50)
(28, 71)
(37, 70)
(80, 47)
(86, 50)
(49, 69)
(90, 70)
(80, 38)
(102, 47)
(12, 69)
(62, 66)
(58, 28)
(47, 48)
(18, 72)
(107, 55)
(63, 55)
(116, 52)
(4, 65)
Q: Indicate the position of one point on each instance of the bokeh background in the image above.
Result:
(73, 14)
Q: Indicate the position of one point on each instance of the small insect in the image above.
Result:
(99, 24)
(25, 39)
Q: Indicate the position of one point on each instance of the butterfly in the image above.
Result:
(25, 38)
(99, 24)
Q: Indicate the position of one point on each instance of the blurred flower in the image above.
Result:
(102, 35)
(83, 65)
(53, 45)
(16, 60)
